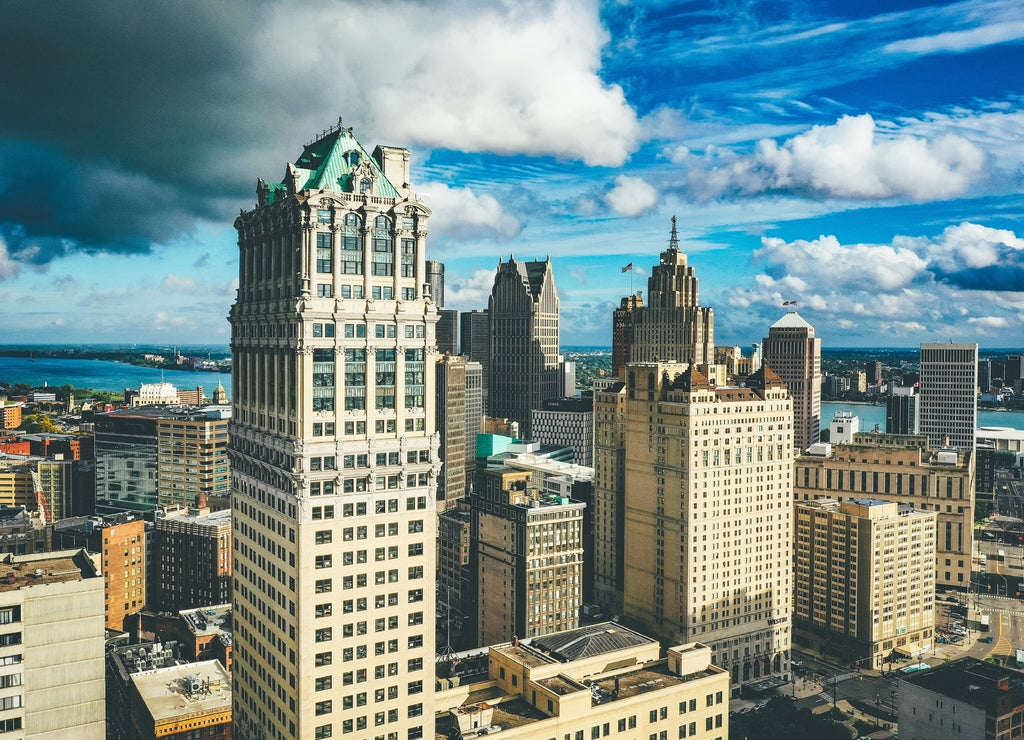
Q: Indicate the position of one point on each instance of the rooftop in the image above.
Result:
(210, 620)
(792, 320)
(20, 571)
(973, 681)
(589, 641)
(188, 689)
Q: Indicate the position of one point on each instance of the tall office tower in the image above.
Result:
(901, 412)
(523, 346)
(435, 279)
(874, 372)
(673, 327)
(609, 495)
(51, 608)
(949, 394)
(334, 455)
(1013, 369)
(475, 338)
(901, 469)
(451, 425)
(474, 416)
(984, 375)
(622, 331)
(528, 551)
(690, 513)
(794, 353)
(859, 381)
(192, 557)
(448, 332)
(863, 581)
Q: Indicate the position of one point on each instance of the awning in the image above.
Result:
(909, 651)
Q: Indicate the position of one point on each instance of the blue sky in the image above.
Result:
(863, 159)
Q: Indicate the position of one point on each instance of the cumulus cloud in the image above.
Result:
(931, 283)
(849, 159)
(631, 196)
(461, 214)
(468, 292)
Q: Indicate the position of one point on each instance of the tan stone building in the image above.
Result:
(51, 646)
(334, 452)
(703, 522)
(863, 586)
(593, 682)
(902, 469)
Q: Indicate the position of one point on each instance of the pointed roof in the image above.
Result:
(792, 320)
(329, 162)
(691, 379)
(765, 377)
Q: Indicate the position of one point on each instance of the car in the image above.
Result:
(987, 638)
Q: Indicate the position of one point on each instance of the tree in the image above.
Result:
(33, 423)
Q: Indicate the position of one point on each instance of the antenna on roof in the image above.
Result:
(673, 242)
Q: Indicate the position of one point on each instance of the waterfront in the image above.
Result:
(103, 375)
(871, 415)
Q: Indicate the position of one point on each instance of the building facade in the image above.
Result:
(567, 422)
(528, 554)
(51, 646)
(622, 331)
(192, 560)
(706, 514)
(523, 363)
(863, 581)
(794, 353)
(475, 343)
(334, 452)
(949, 394)
(903, 470)
(901, 412)
(451, 425)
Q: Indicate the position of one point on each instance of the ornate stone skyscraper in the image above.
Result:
(794, 353)
(673, 326)
(523, 347)
(334, 453)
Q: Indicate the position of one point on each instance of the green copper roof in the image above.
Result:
(328, 163)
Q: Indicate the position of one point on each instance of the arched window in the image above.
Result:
(382, 222)
(353, 219)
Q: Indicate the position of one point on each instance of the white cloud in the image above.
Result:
(8, 267)
(852, 159)
(467, 293)
(173, 282)
(631, 196)
(461, 214)
(990, 322)
(499, 76)
(959, 41)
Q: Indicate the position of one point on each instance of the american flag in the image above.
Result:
(789, 303)
(628, 267)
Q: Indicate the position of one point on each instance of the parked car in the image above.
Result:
(986, 638)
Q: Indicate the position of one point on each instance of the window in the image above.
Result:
(323, 659)
(323, 635)
(323, 586)
(323, 537)
(323, 216)
(323, 707)
(323, 561)
(324, 731)
(10, 615)
(325, 290)
(324, 683)
(324, 253)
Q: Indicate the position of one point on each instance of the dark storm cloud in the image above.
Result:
(123, 122)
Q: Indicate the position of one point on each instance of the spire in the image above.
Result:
(673, 242)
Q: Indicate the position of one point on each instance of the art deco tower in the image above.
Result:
(523, 348)
(334, 454)
(794, 353)
(673, 326)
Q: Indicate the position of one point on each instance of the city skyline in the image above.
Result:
(862, 161)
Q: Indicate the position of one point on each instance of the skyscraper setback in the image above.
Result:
(523, 347)
(333, 450)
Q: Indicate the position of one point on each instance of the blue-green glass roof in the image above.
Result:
(328, 163)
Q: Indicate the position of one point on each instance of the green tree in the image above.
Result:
(33, 423)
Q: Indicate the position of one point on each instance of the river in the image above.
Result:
(870, 415)
(103, 375)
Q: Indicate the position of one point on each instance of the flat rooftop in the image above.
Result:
(54, 567)
(168, 692)
(208, 620)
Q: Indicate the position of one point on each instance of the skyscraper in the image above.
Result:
(523, 346)
(696, 551)
(622, 331)
(949, 394)
(901, 412)
(793, 352)
(451, 425)
(435, 278)
(475, 341)
(673, 326)
(334, 456)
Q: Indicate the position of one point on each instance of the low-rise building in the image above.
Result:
(191, 700)
(593, 682)
(966, 698)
